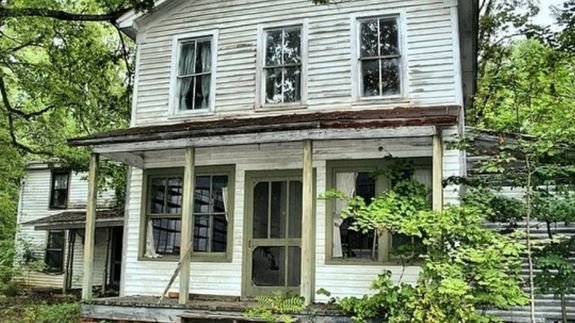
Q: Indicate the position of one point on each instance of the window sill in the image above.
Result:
(380, 101)
(191, 114)
(196, 259)
(56, 208)
(53, 273)
(281, 107)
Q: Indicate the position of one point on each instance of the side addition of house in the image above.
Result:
(245, 111)
(51, 222)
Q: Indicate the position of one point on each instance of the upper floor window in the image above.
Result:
(194, 74)
(379, 57)
(283, 65)
(59, 189)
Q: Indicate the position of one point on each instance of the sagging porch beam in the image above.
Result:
(269, 138)
(89, 235)
(437, 171)
(307, 252)
(186, 235)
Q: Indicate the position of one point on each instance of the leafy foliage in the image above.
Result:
(276, 308)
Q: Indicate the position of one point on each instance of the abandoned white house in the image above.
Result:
(51, 221)
(246, 110)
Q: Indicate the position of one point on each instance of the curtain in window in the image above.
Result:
(423, 176)
(150, 245)
(225, 200)
(345, 183)
(206, 57)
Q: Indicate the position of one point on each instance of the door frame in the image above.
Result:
(251, 179)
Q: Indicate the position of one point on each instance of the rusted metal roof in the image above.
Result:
(77, 219)
(381, 118)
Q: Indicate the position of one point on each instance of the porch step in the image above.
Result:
(218, 317)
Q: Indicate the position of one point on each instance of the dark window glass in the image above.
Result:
(379, 57)
(59, 190)
(283, 65)
(210, 225)
(357, 244)
(54, 259)
(195, 74)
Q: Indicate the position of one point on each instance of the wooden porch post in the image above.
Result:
(437, 173)
(186, 236)
(90, 227)
(307, 252)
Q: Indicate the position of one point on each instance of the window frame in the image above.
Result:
(220, 170)
(174, 92)
(53, 174)
(381, 185)
(61, 250)
(262, 29)
(357, 80)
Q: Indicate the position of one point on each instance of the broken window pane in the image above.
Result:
(388, 39)
(283, 66)
(368, 38)
(167, 235)
(370, 77)
(390, 76)
(268, 266)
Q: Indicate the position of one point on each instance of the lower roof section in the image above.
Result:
(77, 220)
(308, 125)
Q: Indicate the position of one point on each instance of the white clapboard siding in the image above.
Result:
(226, 278)
(429, 46)
(34, 204)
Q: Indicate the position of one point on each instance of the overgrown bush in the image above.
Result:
(276, 308)
(466, 268)
(59, 313)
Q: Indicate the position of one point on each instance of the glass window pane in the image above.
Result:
(59, 198)
(174, 197)
(218, 182)
(390, 76)
(55, 240)
(186, 93)
(60, 181)
(187, 57)
(157, 194)
(295, 209)
(273, 85)
(219, 233)
(357, 244)
(368, 38)
(201, 232)
(273, 47)
(167, 235)
(202, 195)
(54, 260)
(292, 46)
(388, 37)
(370, 77)
(202, 98)
(204, 56)
(291, 85)
(268, 266)
(278, 214)
(294, 263)
(365, 186)
(261, 203)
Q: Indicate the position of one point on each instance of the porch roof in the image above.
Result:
(445, 115)
(77, 220)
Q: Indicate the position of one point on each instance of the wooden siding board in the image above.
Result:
(429, 41)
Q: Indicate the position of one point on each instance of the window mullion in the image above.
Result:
(282, 63)
(379, 54)
(269, 209)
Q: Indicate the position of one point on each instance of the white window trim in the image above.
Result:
(355, 21)
(174, 89)
(260, 104)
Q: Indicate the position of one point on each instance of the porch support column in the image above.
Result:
(307, 243)
(437, 172)
(90, 227)
(186, 236)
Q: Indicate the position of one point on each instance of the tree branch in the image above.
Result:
(60, 14)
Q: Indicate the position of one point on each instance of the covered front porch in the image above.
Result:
(300, 154)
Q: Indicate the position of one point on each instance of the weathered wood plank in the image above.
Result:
(89, 241)
(186, 235)
(307, 249)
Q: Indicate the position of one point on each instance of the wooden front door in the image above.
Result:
(273, 233)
